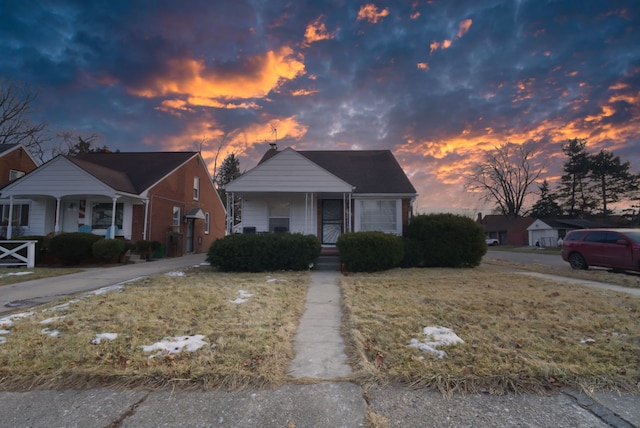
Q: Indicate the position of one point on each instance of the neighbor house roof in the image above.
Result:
(575, 223)
(500, 223)
(132, 172)
(369, 171)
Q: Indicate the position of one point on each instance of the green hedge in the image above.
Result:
(444, 240)
(107, 249)
(263, 252)
(73, 247)
(370, 251)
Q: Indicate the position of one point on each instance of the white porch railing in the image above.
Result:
(22, 253)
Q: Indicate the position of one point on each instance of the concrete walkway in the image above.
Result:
(318, 344)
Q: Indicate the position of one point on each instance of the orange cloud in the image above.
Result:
(423, 66)
(370, 13)
(303, 92)
(316, 31)
(257, 77)
(464, 27)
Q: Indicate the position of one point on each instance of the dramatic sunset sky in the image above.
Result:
(436, 82)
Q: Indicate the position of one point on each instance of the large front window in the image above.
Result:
(278, 217)
(102, 214)
(20, 215)
(378, 215)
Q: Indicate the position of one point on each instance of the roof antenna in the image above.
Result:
(274, 145)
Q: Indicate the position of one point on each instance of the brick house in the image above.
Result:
(157, 196)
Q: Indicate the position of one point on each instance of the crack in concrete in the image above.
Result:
(602, 412)
(132, 411)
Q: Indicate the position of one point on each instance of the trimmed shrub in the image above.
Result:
(268, 252)
(445, 240)
(73, 247)
(370, 251)
(107, 249)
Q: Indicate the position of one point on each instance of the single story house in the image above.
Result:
(508, 230)
(548, 232)
(156, 196)
(323, 193)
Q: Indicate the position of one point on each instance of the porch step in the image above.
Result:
(327, 263)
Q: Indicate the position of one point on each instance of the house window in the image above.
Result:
(14, 174)
(196, 188)
(379, 215)
(278, 217)
(176, 216)
(102, 214)
(207, 222)
(20, 215)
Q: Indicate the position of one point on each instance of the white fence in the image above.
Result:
(18, 253)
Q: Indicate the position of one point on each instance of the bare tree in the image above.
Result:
(506, 175)
(16, 107)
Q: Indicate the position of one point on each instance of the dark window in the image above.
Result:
(575, 236)
(597, 236)
(101, 215)
(20, 215)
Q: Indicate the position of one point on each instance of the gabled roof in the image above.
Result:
(576, 223)
(501, 223)
(369, 171)
(132, 172)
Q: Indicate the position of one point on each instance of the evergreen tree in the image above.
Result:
(611, 178)
(574, 189)
(546, 206)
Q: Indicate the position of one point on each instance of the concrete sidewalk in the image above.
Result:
(325, 398)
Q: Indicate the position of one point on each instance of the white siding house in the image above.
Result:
(323, 194)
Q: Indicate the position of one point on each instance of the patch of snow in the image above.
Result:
(4, 275)
(105, 290)
(103, 336)
(175, 274)
(436, 337)
(3, 340)
(175, 345)
(244, 296)
(62, 306)
(3, 332)
(272, 279)
(9, 319)
(50, 333)
(52, 319)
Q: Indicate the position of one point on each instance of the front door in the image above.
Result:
(70, 216)
(190, 230)
(332, 220)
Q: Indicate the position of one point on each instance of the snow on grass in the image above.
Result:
(243, 297)
(50, 333)
(436, 337)
(103, 336)
(52, 319)
(107, 289)
(4, 275)
(9, 319)
(175, 345)
(176, 274)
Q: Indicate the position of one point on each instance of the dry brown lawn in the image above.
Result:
(248, 344)
(519, 333)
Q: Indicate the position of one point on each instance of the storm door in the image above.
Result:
(332, 220)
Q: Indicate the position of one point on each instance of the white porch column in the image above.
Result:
(56, 227)
(146, 218)
(113, 218)
(10, 219)
(230, 213)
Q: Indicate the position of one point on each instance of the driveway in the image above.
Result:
(516, 256)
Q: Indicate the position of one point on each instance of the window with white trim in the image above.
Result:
(278, 216)
(102, 213)
(378, 215)
(196, 188)
(20, 215)
(176, 216)
(207, 223)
